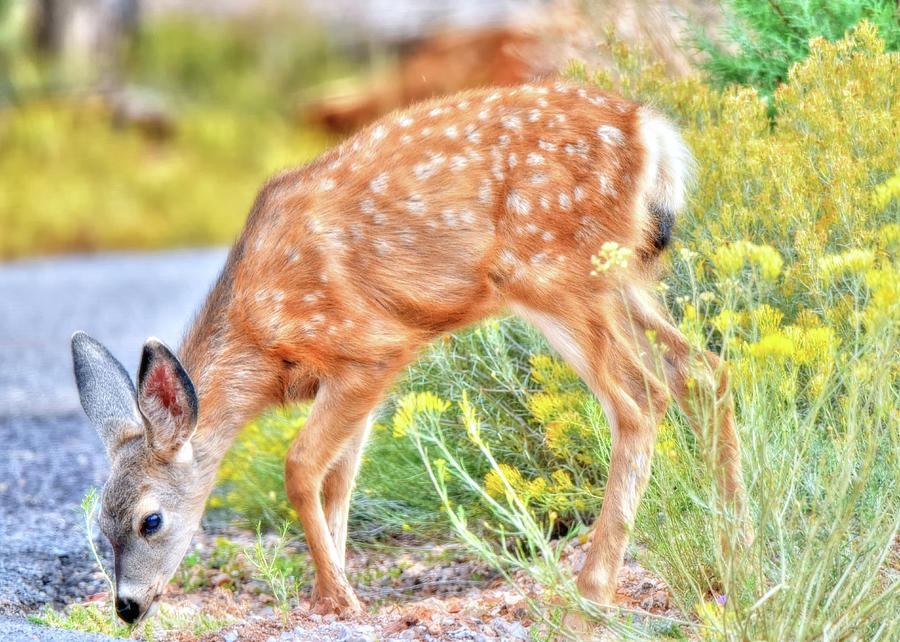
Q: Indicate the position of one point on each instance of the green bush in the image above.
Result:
(761, 40)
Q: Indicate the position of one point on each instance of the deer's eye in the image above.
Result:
(151, 524)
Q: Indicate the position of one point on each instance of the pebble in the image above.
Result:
(509, 630)
(231, 636)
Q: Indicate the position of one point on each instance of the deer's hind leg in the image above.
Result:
(699, 382)
(597, 341)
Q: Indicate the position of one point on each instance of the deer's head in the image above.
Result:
(152, 501)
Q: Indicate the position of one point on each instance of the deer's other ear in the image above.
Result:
(106, 392)
(167, 399)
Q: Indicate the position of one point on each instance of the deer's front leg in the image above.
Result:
(337, 420)
(338, 486)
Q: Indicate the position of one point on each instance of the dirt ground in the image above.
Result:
(423, 592)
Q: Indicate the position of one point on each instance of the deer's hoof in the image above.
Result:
(341, 601)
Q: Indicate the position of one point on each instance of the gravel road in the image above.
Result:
(52, 455)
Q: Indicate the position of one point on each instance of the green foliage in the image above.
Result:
(89, 618)
(282, 579)
(761, 40)
(258, 63)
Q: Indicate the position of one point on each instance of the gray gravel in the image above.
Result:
(52, 455)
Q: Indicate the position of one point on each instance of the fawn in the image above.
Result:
(428, 220)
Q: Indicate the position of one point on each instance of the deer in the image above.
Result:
(426, 221)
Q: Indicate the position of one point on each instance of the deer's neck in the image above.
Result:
(234, 379)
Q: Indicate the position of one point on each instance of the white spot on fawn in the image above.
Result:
(545, 202)
(538, 178)
(534, 159)
(367, 206)
(565, 201)
(452, 132)
(547, 236)
(542, 102)
(483, 114)
(415, 204)
(379, 183)
(578, 193)
(610, 135)
(382, 247)
(472, 134)
(513, 160)
(449, 218)
(406, 121)
(534, 115)
(437, 111)
(485, 193)
(606, 186)
(511, 122)
(458, 163)
(427, 169)
(326, 184)
(518, 203)
(503, 140)
(546, 146)
(379, 133)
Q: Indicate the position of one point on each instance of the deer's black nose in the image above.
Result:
(128, 610)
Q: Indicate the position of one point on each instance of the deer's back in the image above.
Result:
(433, 217)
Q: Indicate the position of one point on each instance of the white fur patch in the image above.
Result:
(558, 336)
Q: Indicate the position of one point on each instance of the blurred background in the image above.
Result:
(128, 124)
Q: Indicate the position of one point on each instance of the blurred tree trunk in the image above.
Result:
(86, 36)
(47, 26)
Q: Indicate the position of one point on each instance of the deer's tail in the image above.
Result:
(667, 169)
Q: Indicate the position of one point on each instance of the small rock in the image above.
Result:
(341, 632)
(647, 585)
(661, 598)
(218, 579)
(231, 636)
(509, 630)
(647, 603)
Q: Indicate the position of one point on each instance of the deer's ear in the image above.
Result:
(167, 399)
(106, 392)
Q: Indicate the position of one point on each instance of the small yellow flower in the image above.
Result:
(773, 346)
(610, 255)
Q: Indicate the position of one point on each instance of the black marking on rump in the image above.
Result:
(662, 222)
